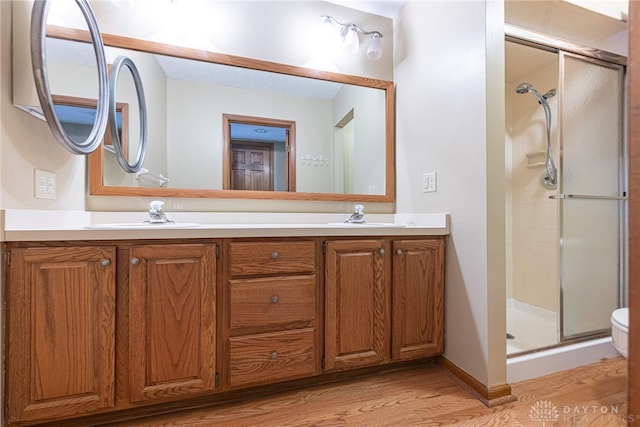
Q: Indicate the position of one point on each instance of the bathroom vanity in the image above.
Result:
(121, 323)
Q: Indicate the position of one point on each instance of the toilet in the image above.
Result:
(620, 330)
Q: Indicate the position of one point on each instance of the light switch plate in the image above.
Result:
(44, 184)
(429, 182)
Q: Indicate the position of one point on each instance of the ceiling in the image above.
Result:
(386, 8)
(565, 20)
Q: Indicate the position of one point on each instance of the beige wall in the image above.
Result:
(207, 104)
(450, 113)
(369, 136)
(27, 144)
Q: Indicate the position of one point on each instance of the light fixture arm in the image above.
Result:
(345, 27)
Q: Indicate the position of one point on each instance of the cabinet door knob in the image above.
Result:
(274, 354)
(105, 262)
(381, 251)
(274, 299)
(399, 252)
(274, 255)
(135, 261)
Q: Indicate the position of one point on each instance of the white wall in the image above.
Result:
(450, 112)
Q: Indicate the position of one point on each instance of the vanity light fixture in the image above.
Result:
(350, 34)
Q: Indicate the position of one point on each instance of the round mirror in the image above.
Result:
(127, 89)
(81, 143)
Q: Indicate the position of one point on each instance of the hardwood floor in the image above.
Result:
(593, 395)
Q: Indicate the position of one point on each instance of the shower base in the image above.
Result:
(531, 327)
(534, 365)
(535, 332)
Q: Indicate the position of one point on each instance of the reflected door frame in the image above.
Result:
(121, 107)
(227, 155)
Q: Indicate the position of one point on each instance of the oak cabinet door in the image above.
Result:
(357, 304)
(418, 298)
(60, 304)
(172, 328)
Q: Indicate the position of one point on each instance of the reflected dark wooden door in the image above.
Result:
(251, 166)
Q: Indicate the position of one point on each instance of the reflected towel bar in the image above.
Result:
(161, 179)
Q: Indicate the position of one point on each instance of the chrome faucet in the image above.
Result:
(358, 215)
(156, 215)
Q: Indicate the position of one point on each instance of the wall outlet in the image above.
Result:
(44, 184)
(429, 182)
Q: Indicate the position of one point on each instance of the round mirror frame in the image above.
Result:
(113, 123)
(38, 59)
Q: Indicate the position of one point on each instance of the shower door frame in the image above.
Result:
(540, 41)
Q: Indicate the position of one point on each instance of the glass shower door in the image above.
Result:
(591, 194)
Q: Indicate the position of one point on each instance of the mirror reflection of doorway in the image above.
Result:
(259, 154)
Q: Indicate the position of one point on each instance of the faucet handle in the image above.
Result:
(156, 205)
(359, 209)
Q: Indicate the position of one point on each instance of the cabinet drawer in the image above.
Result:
(264, 358)
(255, 258)
(272, 301)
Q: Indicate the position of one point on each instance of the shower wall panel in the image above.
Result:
(533, 232)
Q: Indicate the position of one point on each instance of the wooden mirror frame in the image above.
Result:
(96, 167)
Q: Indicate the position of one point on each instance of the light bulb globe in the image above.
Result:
(374, 50)
(351, 41)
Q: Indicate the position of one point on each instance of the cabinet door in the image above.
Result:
(418, 298)
(60, 304)
(357, 304)
(172, 321)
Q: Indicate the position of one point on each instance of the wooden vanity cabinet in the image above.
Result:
(172, 321)
(357, 303)
(60, 314)
(270, 296)
(384, 301)
(418, 298)
(96, 327)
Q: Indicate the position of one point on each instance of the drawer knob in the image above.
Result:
(274, 299)
(274, 255)
(105, 262)
(135, 261)
(274, 354)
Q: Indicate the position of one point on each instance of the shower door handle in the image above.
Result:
(584, 196)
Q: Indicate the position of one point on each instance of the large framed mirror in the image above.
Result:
(343, 148)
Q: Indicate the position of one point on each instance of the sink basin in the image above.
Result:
(364, 224)
(141, 225)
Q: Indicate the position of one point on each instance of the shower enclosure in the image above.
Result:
(566, 241)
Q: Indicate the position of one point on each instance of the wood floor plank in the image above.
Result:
(593, 395)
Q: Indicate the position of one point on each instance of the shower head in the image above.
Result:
(550, 178)
(528, 87)
(524, 88)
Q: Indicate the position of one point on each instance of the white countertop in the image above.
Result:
(55, 225)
